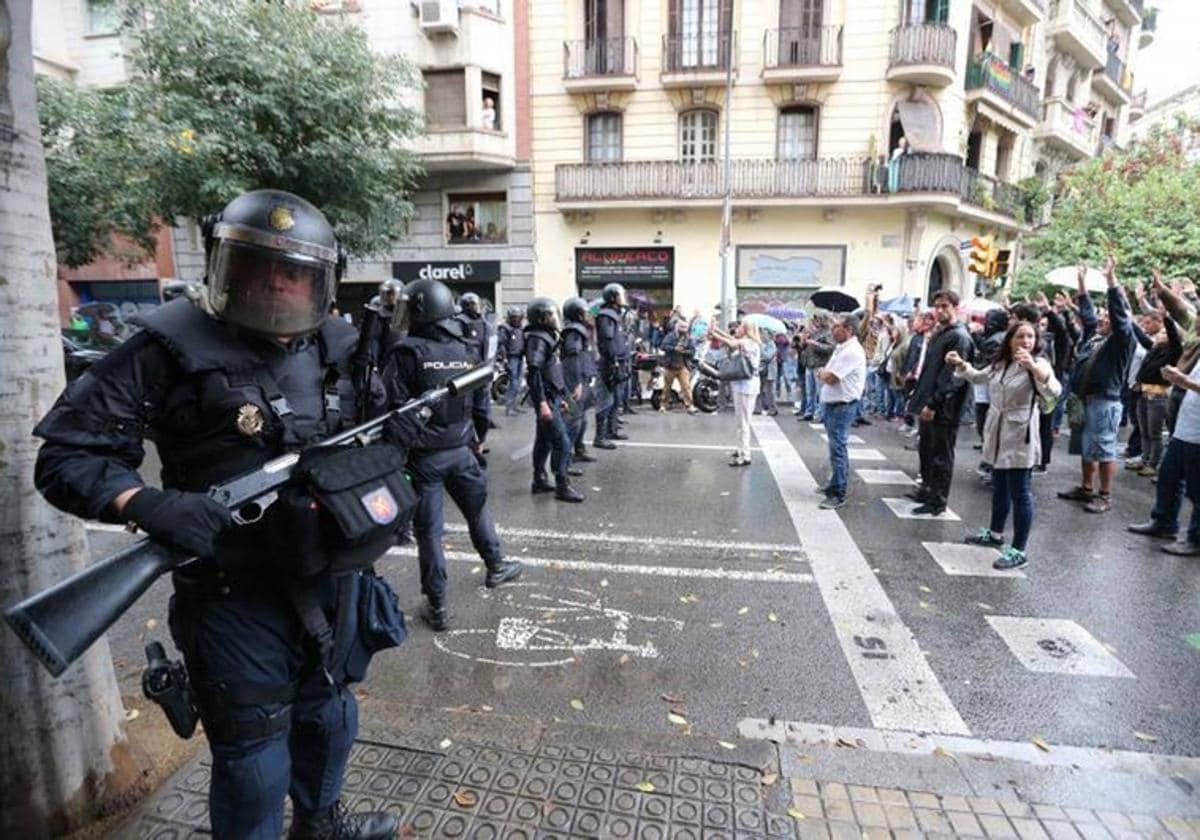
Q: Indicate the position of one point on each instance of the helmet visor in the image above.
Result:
(271, 292)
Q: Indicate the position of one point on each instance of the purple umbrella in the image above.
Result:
(787, 313)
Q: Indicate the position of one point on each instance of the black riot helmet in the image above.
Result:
(614, 295)
(424, 302)
(273, 263)
(575, 309)
(514, 314)
(542, 312)
(471, 305)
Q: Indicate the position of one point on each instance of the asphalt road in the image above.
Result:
(682, 586)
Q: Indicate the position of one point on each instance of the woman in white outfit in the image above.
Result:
(746, 340)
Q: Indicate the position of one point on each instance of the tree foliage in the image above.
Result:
(1142, 204)
(227, 97)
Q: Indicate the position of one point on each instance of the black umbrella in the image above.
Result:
(834, 299)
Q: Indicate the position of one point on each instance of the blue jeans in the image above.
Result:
(1178, 475)
(837, 428)
(812, 404)
(1011, 489)
(515, 367)
(895, 402)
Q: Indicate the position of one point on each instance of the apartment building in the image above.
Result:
(473, 222)
(631, 125)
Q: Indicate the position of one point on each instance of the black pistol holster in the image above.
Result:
(165, 682)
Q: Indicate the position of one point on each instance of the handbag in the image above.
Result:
(735, 367)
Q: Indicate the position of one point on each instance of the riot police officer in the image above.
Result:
(511, 348)
(475, 329)
(435, 350)
(614, 364)
(267, 372)
(548, 392)
(579, 370)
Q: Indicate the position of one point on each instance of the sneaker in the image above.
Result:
(822, 491)
(739, 462)
(693, 410)
(1133, 463)
(929, 509)
(984, 537)
(1010, 558)
(603, 443)
(832, 503)
(337, 821)
(1039, 468)
(1151, 528)
(1183, 549)
(1147, 471)
(1077, 494)
(1102, 503)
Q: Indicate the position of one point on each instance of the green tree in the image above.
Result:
(1143, 204)
(227, 97)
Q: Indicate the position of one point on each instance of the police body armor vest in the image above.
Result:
(228, 415)
(475, 334)
(437, 362)
(618, 348)
(579, 364)
(540, 350)
(513, 339)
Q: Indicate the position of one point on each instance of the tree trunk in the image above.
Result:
(63, 753)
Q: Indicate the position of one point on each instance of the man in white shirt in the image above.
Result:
(842, 381)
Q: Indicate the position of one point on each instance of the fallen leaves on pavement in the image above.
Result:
(1040, 742)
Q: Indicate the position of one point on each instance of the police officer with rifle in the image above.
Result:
(579, 370)
(548, 392)
(475, 330)
(614, 365)
(435, 349)
(268, 614)
(511, 350)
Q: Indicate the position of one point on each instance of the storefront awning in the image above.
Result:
(922, 125)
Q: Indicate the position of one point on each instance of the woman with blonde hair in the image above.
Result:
(746, 340)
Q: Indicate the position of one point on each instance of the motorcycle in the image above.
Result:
(705, 388)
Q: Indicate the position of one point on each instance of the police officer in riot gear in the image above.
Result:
(548, 393)
(475, 330)
(267, 372)
(614, 364)
(511, 349)
(579, 370)
(436, 349)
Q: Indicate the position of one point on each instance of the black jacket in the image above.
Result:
(938, 388)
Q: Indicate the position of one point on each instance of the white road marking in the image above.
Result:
(898, 687)
(817, 426)
(867, 455)
(915, 743)
(107, 528)
(629, 568)
(850, 439)
(1057, 646)
(973, 560)
(904, 508)
(885, 477)
(643, 542)
(653, 445)
(524, 452)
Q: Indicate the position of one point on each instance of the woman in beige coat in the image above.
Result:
(1019, 383)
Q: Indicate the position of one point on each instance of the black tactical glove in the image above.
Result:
(187, 522)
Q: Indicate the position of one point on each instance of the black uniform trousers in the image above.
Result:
(552, 439)
(935, 447)
(457, 472)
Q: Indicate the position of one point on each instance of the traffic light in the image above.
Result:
(984, 259)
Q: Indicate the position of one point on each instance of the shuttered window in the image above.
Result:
(604, 138)
(698, 136)
(445, 98)
(797, 138)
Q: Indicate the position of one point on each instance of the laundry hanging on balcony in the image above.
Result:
(922, 125)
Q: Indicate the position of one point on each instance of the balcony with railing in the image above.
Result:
(1149, 27)
(1078, 32)
(928, 179)
(1126, 11)
(1115, 82)
(600, 64)
(922, 54)
(697, 59)
(1001, 87)
(1137, 107)
(1068, 128)
(802, 54)
(1025, 12)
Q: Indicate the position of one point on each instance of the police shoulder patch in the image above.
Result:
(381, 506)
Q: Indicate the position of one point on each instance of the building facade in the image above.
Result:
(631, 125)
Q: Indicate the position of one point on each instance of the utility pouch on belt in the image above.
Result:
(344, 506)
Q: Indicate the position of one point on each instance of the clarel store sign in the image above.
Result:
(450, 273)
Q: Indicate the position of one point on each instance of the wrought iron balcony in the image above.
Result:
(1078, 32)
(989, 73)
(922, 53)
(600, 64)
(1149, 27)
(703, 54)
(913, 177)
(1115, 82)
(1068, 127)
(802, 54)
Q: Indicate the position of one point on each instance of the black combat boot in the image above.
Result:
(541, 484)
(582, 457)
(336, 823)
(603, 443)
(502, 572)
(564, 492)
(435, 615)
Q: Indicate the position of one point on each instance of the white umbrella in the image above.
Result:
(979, 306)
(1066, 278)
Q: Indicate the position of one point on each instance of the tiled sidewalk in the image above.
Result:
(851, 812)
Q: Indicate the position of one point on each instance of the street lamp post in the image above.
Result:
(727, 308)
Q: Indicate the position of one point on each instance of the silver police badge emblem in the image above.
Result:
(250, 420)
